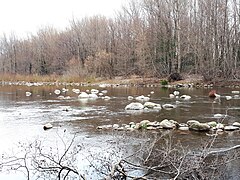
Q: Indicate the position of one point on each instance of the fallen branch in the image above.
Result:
(223, 150)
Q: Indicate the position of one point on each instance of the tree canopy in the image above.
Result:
(149, 38)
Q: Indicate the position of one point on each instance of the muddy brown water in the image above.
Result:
(22, 117)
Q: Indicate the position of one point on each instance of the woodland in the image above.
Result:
(147, 38)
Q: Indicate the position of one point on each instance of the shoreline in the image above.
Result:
(187, 81)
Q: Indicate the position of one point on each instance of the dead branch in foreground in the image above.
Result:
(156, 157)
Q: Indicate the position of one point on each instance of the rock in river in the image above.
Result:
(197, 126)
(152, 105)
(134, 106)
(166, 124)
(47, 126)
(231, 128)
(236, 124)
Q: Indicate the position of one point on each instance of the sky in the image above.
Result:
(23, 17)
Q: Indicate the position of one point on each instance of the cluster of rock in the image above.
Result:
(193, 125)
(148, 105)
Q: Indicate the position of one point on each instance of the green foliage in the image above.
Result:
(164, 82)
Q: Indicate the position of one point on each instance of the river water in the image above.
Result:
(22, 117)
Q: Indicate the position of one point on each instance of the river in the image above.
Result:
(22, 117)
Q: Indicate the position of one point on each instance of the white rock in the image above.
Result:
(93, 96)
(231, 128)
(228, 97)
(104, 91)
(235, 92)
(217, 96)
(152, 105)
(28, 93)
(168, 106)
(185, 97)
(176, 93)
(102, 85)
(184, 128)
(83, 95)
(60, 97)
(47, 126)
(236, 96)
(142, 98)
(77, 91)
(115, 126)
(94, 91)
(171, 96)
(64, 90)
(106, 98)
(166, 124)
(220, 126)
(57, 91)
(134, 106)
(236, 124)
(218, 115)
(130, 98)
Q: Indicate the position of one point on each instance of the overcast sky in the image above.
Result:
(27, 16)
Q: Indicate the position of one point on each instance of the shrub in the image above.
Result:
(164, 82)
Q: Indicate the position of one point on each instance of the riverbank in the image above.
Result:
(187, 81)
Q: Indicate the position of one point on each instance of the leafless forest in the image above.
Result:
(148, 38)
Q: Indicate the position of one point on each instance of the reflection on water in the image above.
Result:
(22, 118)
